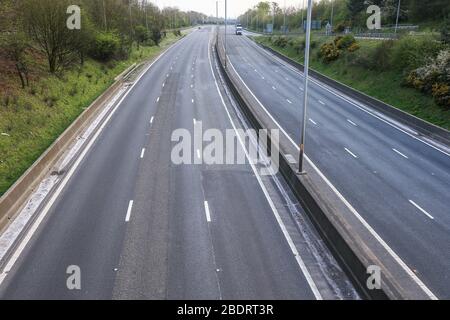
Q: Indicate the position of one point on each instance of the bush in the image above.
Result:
(434, 78)
(381, 56)
(280, 41)
(105, 46)
(410, 53)
(344, 42)
(339, 28)
(353, 47)
(445, 31)
(329, 52)
(177, 33)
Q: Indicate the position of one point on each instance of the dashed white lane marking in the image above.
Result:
(350, 121)
(398, 152)
(151, 120)
(164, 84)
(421, 209)
(157, 100)
(167, 75)
(207, 212)
(287, 79)
(313, 121)
(194, 121)
(192, 85)
(192, 100)
(294, 250)
(142, 153)
(274, 88)
(289, 101)
(301, 89)
(198, 154)
(351, 153)
(321, 102)
(130, 208)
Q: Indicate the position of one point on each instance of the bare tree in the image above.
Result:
(46, 23)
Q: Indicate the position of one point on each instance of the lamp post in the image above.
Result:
(226, 21)
(305, 91)
(398, 15)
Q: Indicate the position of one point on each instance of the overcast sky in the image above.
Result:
(235, 7)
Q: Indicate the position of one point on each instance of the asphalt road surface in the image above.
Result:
(398, 182)
(140, 227)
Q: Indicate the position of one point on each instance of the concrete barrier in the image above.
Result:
(353, 246)
(15, 197)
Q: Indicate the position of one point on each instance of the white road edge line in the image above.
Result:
(398, 152)
(421, 209)
(291, 244)
(41, 216)
(208, 214)
(130, 208)
(372, 231)
(351, 153)
(142, 153)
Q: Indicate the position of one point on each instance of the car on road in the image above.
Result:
(238, 29)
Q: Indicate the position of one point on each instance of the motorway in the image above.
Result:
(140, 227)
(396, 181)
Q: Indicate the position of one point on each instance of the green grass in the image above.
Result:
(33, 118)
(385, 86)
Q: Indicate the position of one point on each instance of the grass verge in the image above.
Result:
(32, 119)
(385, 86)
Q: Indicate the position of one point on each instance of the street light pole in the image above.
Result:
(303, 8)
(332, 13)
(398, 15)
(104, 16)
(284, 17)
(226, 21)
(305, 91)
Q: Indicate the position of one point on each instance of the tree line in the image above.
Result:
(345, 13)
(109, 29)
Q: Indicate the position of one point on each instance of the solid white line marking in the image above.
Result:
(350, 121)
(142, 153)
(372, 231)
(157, 100)
(151, 120)
(353, 155)
(41, 216)
(313, 121)
(289, 101)
(398, 152)
(321, 102)
(130, 207)
(421, 209)
(208, 214)
(288, 238)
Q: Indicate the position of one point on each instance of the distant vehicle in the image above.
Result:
(238, 29)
